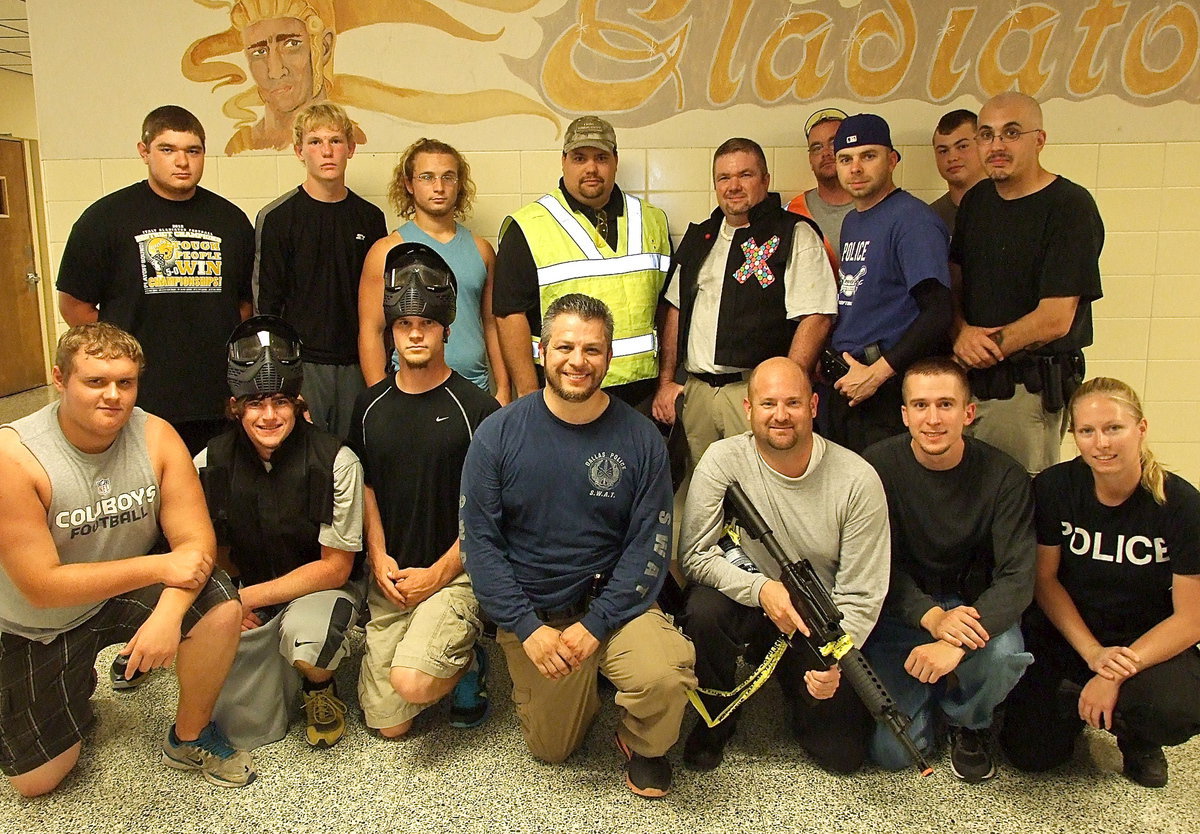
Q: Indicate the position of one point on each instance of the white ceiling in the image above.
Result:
(14, 37)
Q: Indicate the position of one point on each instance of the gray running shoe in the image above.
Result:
(211, 754)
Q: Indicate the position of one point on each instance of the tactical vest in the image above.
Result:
(270, 520)
(572, 257)
(752, 322)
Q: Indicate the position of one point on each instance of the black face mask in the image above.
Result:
(264, 358)
(418, 289)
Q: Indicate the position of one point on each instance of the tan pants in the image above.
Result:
(648, 660)
(1020, 427)
(710, 414)
(436, 637)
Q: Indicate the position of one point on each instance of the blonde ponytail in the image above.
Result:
(1153, 473)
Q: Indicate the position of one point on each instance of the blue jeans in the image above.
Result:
(984, 678)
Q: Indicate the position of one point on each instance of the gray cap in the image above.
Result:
(590, 132)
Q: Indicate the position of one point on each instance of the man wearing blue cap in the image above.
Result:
(894, 303)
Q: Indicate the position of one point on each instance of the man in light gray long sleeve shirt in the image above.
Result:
(825, 504)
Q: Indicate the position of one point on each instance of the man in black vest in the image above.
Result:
(751, 282)
(286, 501)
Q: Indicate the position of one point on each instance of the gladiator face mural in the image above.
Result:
(288, 49)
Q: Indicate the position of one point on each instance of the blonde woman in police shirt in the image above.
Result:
(1117, 619)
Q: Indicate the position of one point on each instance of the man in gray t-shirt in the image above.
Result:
(90, 481)
(828, 203)
(825, 504)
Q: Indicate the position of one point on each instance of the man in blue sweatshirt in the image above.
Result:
(566, 531)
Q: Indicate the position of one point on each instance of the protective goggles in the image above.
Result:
(255, 346)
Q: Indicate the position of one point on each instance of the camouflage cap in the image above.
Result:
(590, 132)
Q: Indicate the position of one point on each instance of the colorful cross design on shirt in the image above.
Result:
(756, 262)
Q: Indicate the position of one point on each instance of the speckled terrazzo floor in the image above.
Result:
(482, 780)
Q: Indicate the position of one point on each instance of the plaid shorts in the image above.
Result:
(46, 688)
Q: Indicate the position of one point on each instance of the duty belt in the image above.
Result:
(717, 380)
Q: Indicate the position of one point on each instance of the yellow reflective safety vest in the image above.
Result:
(572, 257)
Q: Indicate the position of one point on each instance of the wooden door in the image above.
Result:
(21, 363)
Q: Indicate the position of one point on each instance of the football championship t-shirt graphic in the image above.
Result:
(179, 259)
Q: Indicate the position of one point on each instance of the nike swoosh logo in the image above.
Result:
(306, 643)
(440, 419)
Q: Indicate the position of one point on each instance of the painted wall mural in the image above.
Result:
(641, 63)
(672, 55)
(288, 47)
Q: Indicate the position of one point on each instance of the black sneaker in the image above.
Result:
(648, 777)
(970, 758)
(116, 674)
(1144, 764)
(705, 745)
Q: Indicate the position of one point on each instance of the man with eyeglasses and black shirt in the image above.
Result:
(1024, 260)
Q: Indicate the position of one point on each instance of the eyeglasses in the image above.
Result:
(448, 178)
(817, 147)
(986, 135)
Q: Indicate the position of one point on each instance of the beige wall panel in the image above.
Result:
(686, 169)
(1176, 295)
(73, 179)
(1180, 207)
(495, 172)
(1128, 253)
(1175, 339)
(1125, 296)
(1181, 166)
(1130, 209)
(1078, 163)
(1130, 166)
(115, 174)
(1120, 338)
(1181, 458)
(1171, 379)
(1177, 252)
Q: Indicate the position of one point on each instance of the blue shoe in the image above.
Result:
(469, 703)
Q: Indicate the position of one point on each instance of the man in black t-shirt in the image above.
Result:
(411, 432)
(169, 262)
(310, 245)
(1025, 259)
(948, 644)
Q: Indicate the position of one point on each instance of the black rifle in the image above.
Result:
(828, 643)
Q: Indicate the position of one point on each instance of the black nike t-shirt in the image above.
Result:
(412, 448)
(1117, 562)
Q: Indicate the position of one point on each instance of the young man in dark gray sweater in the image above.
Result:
(963, 550)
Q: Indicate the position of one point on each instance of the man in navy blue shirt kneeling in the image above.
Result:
(566, 517)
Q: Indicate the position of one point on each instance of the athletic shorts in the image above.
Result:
(45, 712)
(437, 637)
(260, 693)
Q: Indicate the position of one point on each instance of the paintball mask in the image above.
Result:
(417, 282)
(264, 358)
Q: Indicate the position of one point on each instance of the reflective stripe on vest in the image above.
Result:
(569, 258)
(620, 347)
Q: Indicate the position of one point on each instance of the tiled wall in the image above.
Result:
(1149, 195)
